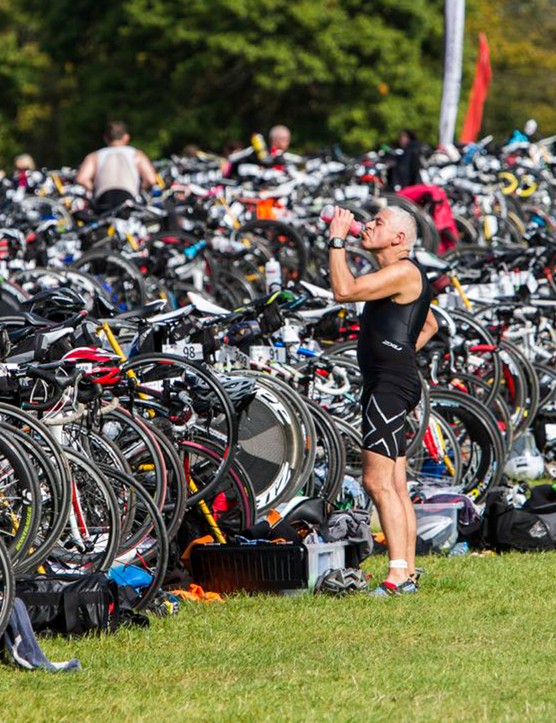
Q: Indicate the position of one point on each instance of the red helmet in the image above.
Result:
(100, 365)
(90, 355)
(106, 376)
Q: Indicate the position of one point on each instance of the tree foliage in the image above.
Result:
(24, 68)
(207, 71)
(522, 39)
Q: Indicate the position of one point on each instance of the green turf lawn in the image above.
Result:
(478, 642)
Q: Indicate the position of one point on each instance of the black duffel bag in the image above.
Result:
(70, 604)
(506, 527)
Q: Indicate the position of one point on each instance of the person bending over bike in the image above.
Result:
(395, 323)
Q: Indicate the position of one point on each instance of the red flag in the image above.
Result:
(477, 97)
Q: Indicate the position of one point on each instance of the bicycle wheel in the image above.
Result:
(330, 459)
(51, 451)
(142, 454)
(282, 241)
(480, 389)
(520, 388)
(90, 539)
(199, 402)
(25, 421)
(120, 278)
(231, 504)
(54, 506)
(547, 387)
(439, 463)
(270, 447)
(308, 430)
(20, 499)
(7, 587)
(532, 395)
(478, 437)
(144, 541)
(175, 501)
(95, 446)
(352, 493)
(478, 352)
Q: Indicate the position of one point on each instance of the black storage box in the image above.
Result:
(251, 568)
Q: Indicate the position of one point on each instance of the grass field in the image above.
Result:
(478, 642)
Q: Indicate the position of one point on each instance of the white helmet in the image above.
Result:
(525, 466)
(525, 462)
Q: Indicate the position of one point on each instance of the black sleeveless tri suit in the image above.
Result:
(387, 359)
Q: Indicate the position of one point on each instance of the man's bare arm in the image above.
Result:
(388, 282)
(146, 170)
(87, 171)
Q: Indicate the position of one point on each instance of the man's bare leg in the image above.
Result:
(400, 485)
(378, 481)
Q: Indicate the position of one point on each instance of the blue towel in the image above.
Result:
(22, 645)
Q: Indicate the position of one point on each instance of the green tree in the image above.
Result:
(205, 71)
(521, 38)
(23, 67)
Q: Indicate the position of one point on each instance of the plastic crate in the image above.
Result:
(326, 556)
(266, 568)
(437, 524)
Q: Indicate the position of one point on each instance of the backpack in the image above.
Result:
(70, 604)
(506, 527)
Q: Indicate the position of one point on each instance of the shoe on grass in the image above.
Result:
(385, 589)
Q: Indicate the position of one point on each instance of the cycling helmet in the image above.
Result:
(331, 326)
(56, 304)
(104, 366)
(90, 354)
(241, 390)
(341, 581)
(525, 466)
(524, 462)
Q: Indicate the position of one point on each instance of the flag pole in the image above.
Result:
(454, 23)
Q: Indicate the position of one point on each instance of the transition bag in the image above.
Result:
(506, 527)
(70, 604)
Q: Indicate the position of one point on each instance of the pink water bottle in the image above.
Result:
(356, 228)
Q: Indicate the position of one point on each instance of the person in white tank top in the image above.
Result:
(116, 172)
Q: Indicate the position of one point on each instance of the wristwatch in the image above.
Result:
(337, 243)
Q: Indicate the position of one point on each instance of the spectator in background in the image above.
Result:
(24, 165)
(24, 162)
(116, 172)
(191, 150)
(406, 169)
(280, 138)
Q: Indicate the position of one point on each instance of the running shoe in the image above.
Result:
(408, 587)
